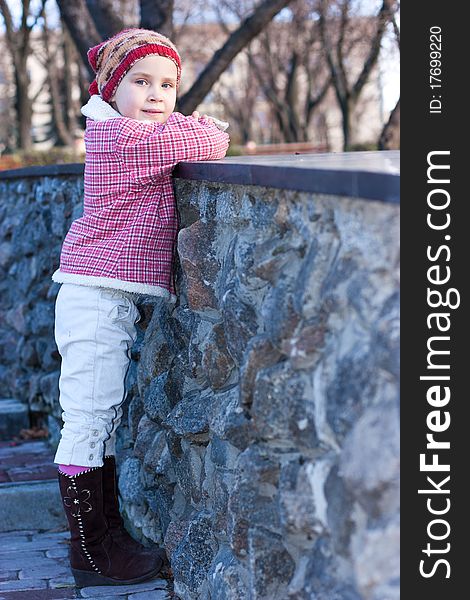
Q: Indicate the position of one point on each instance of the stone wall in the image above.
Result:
(35, 213)
(260, 443)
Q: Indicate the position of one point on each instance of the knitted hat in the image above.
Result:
(113, 58)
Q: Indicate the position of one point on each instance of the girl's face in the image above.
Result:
(148, 90)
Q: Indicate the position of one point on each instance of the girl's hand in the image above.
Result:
(197, 116)
(222, 125)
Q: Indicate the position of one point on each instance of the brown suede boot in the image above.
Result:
(95, 558)
(115, 523)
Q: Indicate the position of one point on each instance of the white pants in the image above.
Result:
(94, 331)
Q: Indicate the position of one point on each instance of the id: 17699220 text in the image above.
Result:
(435, 69)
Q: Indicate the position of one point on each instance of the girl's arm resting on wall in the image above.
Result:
(151, 150)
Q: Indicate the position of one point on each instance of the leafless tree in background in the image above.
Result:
(82, 28)
(285, 67)
(87, 32)
(19, 47)
(60, 98)
(288, 63)
(290, 67)
(7, 93)
(337, 32)
(390, 136)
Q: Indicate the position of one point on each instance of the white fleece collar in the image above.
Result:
(99, 110)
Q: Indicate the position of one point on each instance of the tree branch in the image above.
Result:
(249, 29)
(9, 27)
(38, 16)
(340, 45)
(384, 16)
(157, 15)
(396, 30)
(314, 102)
(81, 27)
(338, 83)
(105, 16)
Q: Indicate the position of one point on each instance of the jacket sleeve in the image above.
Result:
(151, 150)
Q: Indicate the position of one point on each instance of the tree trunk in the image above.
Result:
(69, 59)
(18, 42)
(390, 136)
(106, 17)
(347, 95)
(23, 109)
(59, 113)
(346, 110)
(81, 27)
(157, 16)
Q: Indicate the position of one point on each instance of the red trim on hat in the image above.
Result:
(93, 88)
(132, 58)
(92, 55)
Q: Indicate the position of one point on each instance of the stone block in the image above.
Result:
(240, 323)
(199, 265)
(370, 463)
(14, 416)
(216, 361)
(192, 558)
(254, 498)
(156, 403)
(130, 483)
(190, 415)
(19, 504)
(270, 564)
(227, 578)
(283, 406)
(229, 421)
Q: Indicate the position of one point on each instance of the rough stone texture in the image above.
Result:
(260, 438)
(35, 214)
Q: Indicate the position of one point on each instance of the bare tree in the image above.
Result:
(285, 66)
(18, 43)
(290, 67)
(239, 104)
(70, 78)
(247, 31)
(390, 135)
(58, 102)
(7, 93)
(337, 37)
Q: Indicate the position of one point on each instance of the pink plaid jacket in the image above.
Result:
(126, 238)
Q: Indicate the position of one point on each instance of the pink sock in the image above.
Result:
(72, 469)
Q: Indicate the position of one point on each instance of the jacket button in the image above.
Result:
(92, 445)
(90, 457)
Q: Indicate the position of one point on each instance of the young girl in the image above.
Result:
(122, 246)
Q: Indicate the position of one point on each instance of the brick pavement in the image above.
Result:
(26, 461)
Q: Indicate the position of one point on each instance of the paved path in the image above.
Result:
(34, 561)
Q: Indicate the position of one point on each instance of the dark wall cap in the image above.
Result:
(44, 171)
(368, 175)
